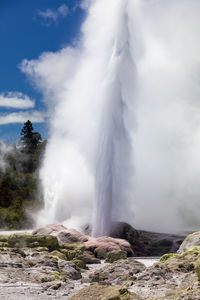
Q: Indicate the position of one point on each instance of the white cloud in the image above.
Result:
(21, 117)
(82, 4)
(85, 4)
(48, 14)
(52, 15)
(50, 72)
(63, 10)
(16, 100)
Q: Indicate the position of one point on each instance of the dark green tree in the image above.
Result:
(27, 130)
(30, 139)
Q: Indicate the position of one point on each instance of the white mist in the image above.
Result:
(125, 125)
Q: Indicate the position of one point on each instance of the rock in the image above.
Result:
(70, 269)
(190, 241)
(63, 234)
(69, 254)
(32, 241)
(45, 273)
(80, 263)
(102, 245)
(49, 229)
(144, 243)
(43, 278)
(58, 255)
(197, 269)
(89, 254)
(169, 278)
(115, 255)
(56, 285)
(88, 259)
(71, 236)
(156, 244)
(99, 292)
(184, 262)
(74, 247)
(124, 231)
(191, 293)
(75, 252)
(119, 273)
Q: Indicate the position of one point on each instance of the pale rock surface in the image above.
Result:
(190, 241)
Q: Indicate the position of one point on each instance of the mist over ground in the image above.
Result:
(4, 152)
(160, 179)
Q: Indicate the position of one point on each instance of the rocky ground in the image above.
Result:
(49, 265)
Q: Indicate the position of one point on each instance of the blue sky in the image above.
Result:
(27, 29)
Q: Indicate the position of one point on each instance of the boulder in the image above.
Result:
(123, 237)
(71, 236)
(184, 262)
(102, 245)
(49, 229)
(59, 255)
(156, 244)
(115, 255)
(101, 292)
(124, 231)
(63, 234)
(20, 240)
(190, 241)
(88, 259)
(143, 243)
(80, 263)
(70, 269)
(119, 272)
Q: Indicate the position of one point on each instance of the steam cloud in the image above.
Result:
(5, 150)
(145, 53)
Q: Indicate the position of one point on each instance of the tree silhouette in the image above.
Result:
(27, 130)
(30, 139)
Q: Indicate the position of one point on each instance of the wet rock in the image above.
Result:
(124, 231)
(156, 244)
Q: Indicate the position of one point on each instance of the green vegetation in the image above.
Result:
(19, 193)
(167, 256)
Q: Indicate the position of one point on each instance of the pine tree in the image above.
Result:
(27, 130)
(30, 139)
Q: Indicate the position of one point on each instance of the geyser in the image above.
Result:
(113, 169)
(125, 126)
